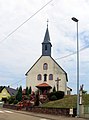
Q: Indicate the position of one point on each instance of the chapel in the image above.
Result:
(46, 73)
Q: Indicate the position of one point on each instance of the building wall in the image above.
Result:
(68, 91)
(4, 94)
(53, 68)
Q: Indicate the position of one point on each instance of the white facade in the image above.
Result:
(53, 68)
(44, 73)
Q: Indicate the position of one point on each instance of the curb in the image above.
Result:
(50, 117)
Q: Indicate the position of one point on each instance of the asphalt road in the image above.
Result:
(10, 115)
(6, 114)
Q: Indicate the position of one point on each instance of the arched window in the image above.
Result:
(45, 77)
(39, 77)
(45, 66)
(50, 76)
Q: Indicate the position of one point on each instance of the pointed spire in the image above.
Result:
(46, 44)
(47, 37)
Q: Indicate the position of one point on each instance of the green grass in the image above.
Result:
(67, 102)
(86, 99)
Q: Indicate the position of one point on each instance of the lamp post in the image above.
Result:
(76, 20)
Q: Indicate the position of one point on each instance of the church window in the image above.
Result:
(39, 77)
(45, 47)
(50, 76)
(45, 77)
(45, 66)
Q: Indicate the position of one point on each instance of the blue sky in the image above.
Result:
(20, 50)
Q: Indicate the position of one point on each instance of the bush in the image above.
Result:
(36, 103)
(26, 97)
(53, 98)
(15, 101)
(58, 94)
(11, 99)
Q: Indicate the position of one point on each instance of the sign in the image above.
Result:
(71, 111)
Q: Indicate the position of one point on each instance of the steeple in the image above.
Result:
(46, 45)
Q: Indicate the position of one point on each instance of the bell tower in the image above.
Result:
(46, 44)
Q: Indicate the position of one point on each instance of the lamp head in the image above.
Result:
(74, 19)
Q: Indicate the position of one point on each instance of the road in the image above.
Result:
(6, 114)
(10, 115)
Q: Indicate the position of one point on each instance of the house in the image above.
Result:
(69, 90)
(46, 73)
(6, 92)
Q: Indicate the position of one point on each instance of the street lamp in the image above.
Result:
(76, 20)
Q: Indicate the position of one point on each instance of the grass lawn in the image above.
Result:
(69, 101)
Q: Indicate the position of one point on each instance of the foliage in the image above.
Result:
(85, 99)
(27, 91)
(84, 92)
(26, 97)
(54, 89)
(30, 90)
(15, 101)
(37, 99)
(58, 94)
(11, 99)
(19, 94)
(53, 98)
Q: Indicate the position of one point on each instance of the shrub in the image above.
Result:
(15, 101)
(37, 99)
(58, 94)
(26, 97)
(11, 99)
(54, 89)
(53, 98)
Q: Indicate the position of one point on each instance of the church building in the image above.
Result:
(46, 73)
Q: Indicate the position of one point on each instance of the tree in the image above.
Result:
(27, 91)
(84, 92)
(19, 94)
(37, 99)
(54, 89)
(30, 90)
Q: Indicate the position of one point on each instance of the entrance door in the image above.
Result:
(44, 90)
(4, 100)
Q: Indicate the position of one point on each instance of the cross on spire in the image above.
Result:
(47, 22)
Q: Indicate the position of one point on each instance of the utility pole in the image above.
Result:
(58, 83)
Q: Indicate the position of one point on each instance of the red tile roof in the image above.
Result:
(43, 85)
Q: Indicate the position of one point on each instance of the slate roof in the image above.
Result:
(1, 87)
(11, 91)
(47, 37)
